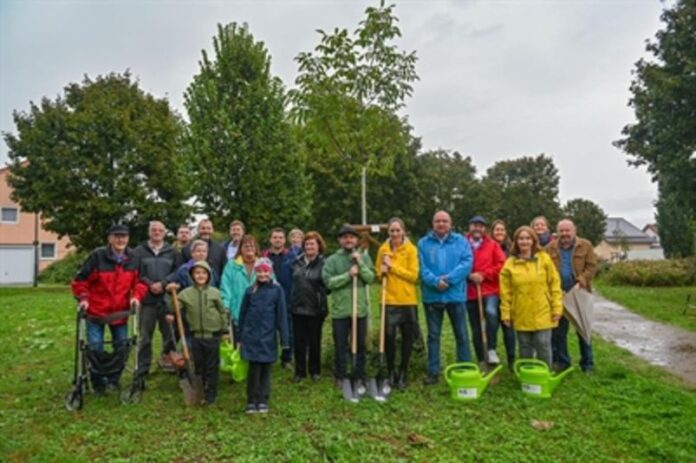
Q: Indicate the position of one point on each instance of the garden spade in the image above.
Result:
(191, 385)
(379, 388)
(352, 389)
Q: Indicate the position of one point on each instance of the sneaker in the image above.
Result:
(287, 366)
(262, 408)
(493, 357)
(316, 377)
(251, 409)
(431, 380)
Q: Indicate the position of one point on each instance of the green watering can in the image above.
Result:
(536, 378)
(466, 381)
(231, 362)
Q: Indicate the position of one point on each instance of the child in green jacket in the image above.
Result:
(207, 319)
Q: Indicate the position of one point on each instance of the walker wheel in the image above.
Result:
(74, 400)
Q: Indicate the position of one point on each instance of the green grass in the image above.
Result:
(627, 411)
(664, 304)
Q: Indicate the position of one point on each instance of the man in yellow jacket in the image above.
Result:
(530, 295)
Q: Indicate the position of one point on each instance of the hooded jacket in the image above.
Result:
(489, 259)
(530, 292)
(403, 275)
(233, 284)
(203, 309)
(262, 315)
(340, 283)
(450, 257)
(108, 285)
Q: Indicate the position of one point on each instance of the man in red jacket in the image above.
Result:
(488, 261)
(109, 283)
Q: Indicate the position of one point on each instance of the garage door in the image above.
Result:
(16, 265)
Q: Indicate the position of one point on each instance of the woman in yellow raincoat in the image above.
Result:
(530, 295)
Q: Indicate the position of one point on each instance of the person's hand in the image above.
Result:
(506, 323)
(357, 257)
(476, 277)
(156, 288)
(135, 303)
(353, 270)
(442, 284)
(169, 318)
(172, 287)
(385, 269)
(555, 317)
(84, 305)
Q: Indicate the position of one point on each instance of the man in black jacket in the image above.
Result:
(217, 256)
(158, 259)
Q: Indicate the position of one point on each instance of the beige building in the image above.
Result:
(624, 241)
(21, 235)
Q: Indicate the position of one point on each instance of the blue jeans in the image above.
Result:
(95, 339)
(434, 313)
(491, 310)
(559, 342)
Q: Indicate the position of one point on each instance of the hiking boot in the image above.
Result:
(262, 408)
(251, 409)
(431, 380)
(493, 357)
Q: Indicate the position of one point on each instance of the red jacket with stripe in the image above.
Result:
(489, 259)
(108, 285)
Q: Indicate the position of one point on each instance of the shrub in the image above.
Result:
(670, 272)
(63, 271)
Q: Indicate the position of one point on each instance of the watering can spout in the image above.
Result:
(556, 379)
(487, 378)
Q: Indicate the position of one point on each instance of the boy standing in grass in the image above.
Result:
(207, 320)
(262, 314)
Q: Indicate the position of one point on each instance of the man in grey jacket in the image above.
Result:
(158, 259)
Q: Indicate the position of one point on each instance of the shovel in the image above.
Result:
(482, 320)
(191, 385)
(352, 390)
(379, 388)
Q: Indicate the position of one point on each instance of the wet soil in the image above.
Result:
(666, 346)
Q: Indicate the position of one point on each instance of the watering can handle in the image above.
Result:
(520, 362)
(461, 365)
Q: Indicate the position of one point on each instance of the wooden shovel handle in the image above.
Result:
(180, 324)
(383, 316)
(482, 319)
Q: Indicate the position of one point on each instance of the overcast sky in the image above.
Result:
(499, 79)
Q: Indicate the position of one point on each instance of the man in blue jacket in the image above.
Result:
(445, 263)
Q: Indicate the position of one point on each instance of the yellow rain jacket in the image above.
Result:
(530, 292)
(402, 278)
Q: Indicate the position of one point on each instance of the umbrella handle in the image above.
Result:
(354, 328)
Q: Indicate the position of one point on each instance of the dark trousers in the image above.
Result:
(491, 311)
(559, 342)
(206, 358)
(404, 318)
(286, 355)
(259, 383)
(151, 315)
(307, 343)
(341, 336)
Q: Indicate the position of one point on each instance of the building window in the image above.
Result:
(9, 215)
(48, 251)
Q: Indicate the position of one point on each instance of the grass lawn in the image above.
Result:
(660, 304)
(627, 411)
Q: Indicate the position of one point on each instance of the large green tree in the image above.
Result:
(242, 152)
(589, 218)
(523, 188)
(348, 92)
(675, 226)
(663, 138)
(104, 152)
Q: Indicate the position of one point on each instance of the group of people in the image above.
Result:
(281, 296)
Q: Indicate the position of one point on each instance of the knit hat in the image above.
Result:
(264, 264)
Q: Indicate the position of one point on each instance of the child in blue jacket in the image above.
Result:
(261, 316)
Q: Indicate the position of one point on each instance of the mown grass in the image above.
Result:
(627, 411)
(664, 304)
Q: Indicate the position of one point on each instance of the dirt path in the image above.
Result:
(671, 348)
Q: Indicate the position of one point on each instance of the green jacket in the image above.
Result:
(337, 279)
(203, 308)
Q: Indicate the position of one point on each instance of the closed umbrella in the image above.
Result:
(579, 309)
